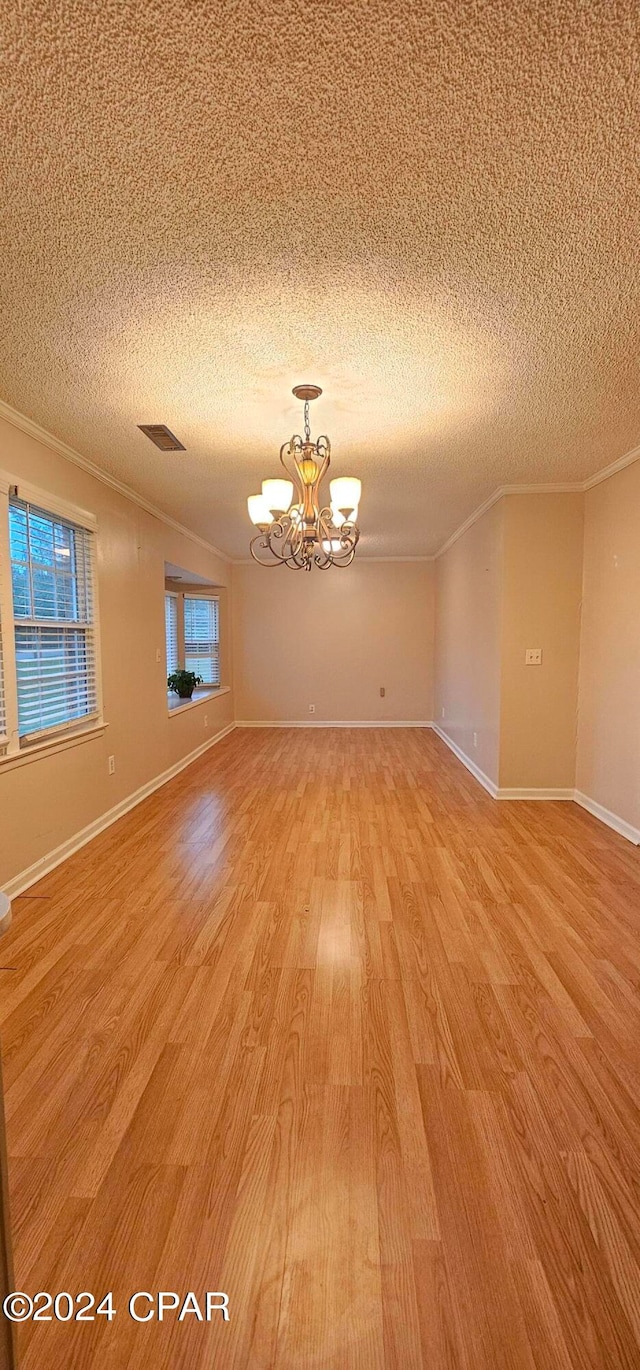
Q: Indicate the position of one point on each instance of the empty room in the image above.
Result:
(319, 685)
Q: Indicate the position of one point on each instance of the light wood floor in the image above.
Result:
(323, 1026)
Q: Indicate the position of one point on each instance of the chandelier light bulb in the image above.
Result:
(277, 495)
(259, 513)
(345, 494)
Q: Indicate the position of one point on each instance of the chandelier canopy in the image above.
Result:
(295, 529)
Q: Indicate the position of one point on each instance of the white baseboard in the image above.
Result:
(606, 816)
(612, 820)
(330, 723)
(485, 780)
(47, 863)
(535, 794)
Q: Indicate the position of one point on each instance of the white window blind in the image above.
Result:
(3, 707)
(171, 632)
(52, 581)
(201, 638)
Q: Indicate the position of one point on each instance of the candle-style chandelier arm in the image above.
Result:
(336, 546)
(282, 544)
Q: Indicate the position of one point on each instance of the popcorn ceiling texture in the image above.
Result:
(431, 209)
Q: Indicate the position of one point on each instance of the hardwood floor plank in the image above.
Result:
(442, 1348)
(474, 1249)
(607, 1234)
(548, 1345)
(423, 1211)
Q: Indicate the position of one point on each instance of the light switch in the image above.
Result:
(533, 656)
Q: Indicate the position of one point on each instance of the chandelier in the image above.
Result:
(295, 529)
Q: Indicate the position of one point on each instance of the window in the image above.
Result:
(171, 631)
(192, 635)
(3, 712)
(201, 638)
(52, 595)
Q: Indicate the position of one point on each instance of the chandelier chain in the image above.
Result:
(307, 426)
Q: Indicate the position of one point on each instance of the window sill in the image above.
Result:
(61, 743)
(175, 705)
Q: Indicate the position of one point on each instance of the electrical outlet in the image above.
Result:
(158, 656)
(112, 765)
(206, 720)
(475, 739)
(312, 708)
(443, 710)
(533, 656)
(382, 692)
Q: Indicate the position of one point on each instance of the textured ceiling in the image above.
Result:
(431, 209)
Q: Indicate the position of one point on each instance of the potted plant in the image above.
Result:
(183, 683)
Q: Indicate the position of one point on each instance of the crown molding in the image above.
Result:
(469, 522)
(562, 488)
(33, 430)
(607, 471)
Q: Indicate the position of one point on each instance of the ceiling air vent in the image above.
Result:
(162, 436)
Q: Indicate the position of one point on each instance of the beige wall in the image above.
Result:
(45, 802)
(541, 593)
(608, 768)
(512, 581)
(332, 639)
(468, 640)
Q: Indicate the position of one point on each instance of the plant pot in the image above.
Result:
(185, 695)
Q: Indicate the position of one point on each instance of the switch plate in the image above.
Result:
(158, 656)
(475, 739)
(112, 765)
(312, 708)
(382, 692)
(533, 656)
